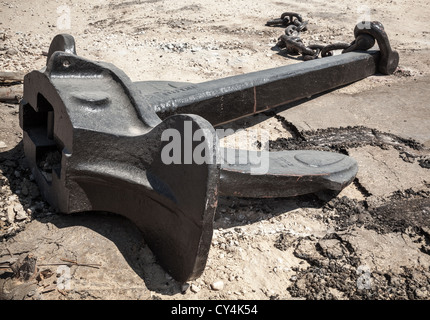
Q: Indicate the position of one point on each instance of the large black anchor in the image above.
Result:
(95, 141)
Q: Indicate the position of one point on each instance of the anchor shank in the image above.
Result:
(224, 100)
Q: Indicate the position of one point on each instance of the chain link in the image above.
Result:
(293, 44)
(287, 18)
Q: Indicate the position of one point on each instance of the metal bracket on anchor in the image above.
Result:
(95, 141)
(374, 30)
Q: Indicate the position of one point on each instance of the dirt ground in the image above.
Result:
(371, 241)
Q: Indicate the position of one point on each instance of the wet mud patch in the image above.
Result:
(399, 212)
(341, 139)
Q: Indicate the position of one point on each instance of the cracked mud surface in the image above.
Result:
(370, 241)
(335, 262)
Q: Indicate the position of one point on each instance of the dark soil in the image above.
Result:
(334, 276)
(341, 139)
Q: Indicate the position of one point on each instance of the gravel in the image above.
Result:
(20, 200)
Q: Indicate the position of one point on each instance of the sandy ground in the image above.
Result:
(371, 241)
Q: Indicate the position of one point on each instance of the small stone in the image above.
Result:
(10, 214)
(12, 198)
(301, 284)
(31, 293)
(11, 52)
(17, 207)
(217, 285)
(21, 215)
(3, 144)
(331, 248)
(194, 288)
(421, 293)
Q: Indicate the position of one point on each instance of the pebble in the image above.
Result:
(21, 215)
(196, 49)
(194, 288)
(217, 285)
(11, 52)
(18, 207)
(421, 293)
(3, 144)
(10, 214)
